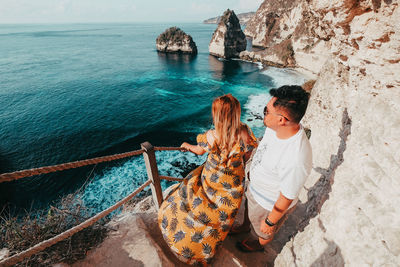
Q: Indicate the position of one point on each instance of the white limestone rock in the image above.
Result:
(4, 253)
(228, 39)
(352, 201)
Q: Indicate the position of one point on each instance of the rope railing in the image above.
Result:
(167, 148)
(148, 152)
(7, 177)
(49, 242)
(170, 178)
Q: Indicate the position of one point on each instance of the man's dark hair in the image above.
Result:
(293, 98)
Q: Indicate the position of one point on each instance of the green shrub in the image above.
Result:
(173, 34)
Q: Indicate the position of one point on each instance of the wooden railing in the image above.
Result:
(154, 180)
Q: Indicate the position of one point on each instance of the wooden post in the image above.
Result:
(152, 172)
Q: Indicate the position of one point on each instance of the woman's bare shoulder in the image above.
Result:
(210, 137)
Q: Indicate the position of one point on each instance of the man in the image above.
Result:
(279, 167)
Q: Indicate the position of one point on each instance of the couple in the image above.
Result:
(199, 212)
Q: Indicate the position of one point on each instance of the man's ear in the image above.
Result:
(282, 120)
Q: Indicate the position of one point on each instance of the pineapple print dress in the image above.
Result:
(198, 213)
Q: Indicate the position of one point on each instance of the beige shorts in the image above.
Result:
(258, 213)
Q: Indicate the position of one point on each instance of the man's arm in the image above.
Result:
(279, 209)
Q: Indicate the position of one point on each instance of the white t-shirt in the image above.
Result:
(280, 165)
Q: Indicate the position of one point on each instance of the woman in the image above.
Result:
(199, 212)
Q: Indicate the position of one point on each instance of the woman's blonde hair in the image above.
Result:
(226, 118)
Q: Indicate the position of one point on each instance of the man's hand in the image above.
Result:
(266, 229)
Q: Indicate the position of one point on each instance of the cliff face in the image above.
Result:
(291, 32)
(351, 200)
(228, 39)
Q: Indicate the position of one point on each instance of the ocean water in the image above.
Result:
(77, 91)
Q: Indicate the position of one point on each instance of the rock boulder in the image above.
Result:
(228, 39)
(174, 40)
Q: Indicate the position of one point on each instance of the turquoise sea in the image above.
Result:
(77, 91)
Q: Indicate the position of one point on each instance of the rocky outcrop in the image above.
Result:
(267, 28)
(279, 55)
(350, 202)
(174, 40)
(290, 32)
(228, 39)
(243, 18)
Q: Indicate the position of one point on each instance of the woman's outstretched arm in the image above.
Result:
(196, 149)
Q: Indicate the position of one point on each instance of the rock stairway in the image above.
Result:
(135, 240)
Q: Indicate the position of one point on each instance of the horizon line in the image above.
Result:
(97, 22)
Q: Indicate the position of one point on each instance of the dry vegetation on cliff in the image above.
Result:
(20, 233)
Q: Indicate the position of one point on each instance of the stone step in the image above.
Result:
(136, 240)
(228, 254)
(129, 244)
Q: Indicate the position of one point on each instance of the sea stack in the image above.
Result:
(228, 39)
(174, 40)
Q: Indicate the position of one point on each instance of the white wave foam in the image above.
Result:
(253, 112)
(116, 183)
(164, 92)
(284, 76)
(259, 64)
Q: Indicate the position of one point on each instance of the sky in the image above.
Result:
(86, 11)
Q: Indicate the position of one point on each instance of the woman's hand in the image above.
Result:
(186, 146)
(196, 149)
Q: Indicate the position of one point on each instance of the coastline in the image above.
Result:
(307, 73)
